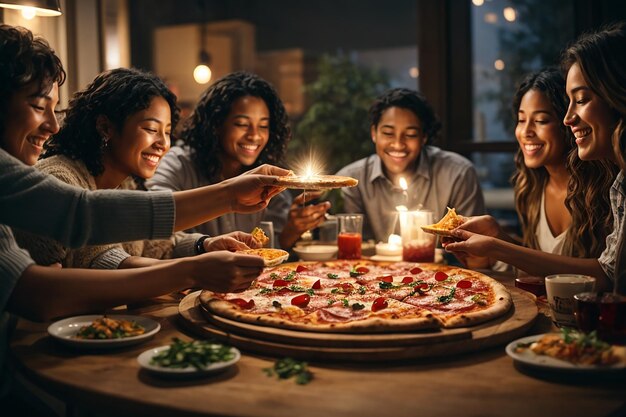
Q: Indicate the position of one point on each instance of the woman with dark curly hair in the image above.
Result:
(116, 128)
(404, 128)
(596, 78)
(239, 123)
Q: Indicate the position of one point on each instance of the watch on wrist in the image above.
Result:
(199, 246)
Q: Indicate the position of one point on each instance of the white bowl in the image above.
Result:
(316, 252)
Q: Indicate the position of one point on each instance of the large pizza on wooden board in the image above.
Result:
(363, 297)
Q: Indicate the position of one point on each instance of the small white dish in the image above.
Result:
(65, 331)
(316, 252)
(145, 358)
(528, 357)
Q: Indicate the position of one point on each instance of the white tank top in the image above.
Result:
(547, 241)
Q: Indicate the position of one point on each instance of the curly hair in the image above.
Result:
(529, 183)
(201, 131)
(601, 57)
(25, 59)
(116, 94)
(410, 100)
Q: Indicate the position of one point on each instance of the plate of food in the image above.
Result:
(569, 351)
(182, 359)
(445, 226)
(271, 257)
(102, 332)
(316, 182)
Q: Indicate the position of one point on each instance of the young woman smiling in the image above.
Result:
(115, 129)
(542, 177)
(596, 75)
(239, 123)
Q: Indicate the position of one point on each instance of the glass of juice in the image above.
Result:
(350, 237)
(603, 312)
(417, 245)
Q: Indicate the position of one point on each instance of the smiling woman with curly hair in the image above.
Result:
(116, 128)
(238, 124)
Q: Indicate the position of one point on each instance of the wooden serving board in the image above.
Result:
(360, 347)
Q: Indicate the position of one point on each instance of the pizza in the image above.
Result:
(445, 226)
(363, 296)
(271, 257)
(316, 182)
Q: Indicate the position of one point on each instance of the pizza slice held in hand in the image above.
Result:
(445, 226)
(259, 235)
(271, 257)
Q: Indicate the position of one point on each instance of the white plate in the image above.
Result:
(145, 357)
(65, 331)
(316, 252)
(528, 357)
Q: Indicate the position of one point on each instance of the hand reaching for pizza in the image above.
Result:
(223, 271)
(233, 242)
(302, 218)
(253, 190)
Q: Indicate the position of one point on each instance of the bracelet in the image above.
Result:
(199, 246)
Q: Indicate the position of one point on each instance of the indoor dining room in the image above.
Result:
(349, 208)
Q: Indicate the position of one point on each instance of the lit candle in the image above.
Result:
(405, 186)
(393, 247)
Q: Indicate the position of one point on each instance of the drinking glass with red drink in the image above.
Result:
(350, 236)
(417, 245)
(603, 312)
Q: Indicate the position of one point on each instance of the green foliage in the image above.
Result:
(335, 127)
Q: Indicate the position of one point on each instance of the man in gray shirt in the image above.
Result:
(403, 127)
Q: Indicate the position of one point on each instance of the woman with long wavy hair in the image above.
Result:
(552, 219)
(596, 86)
(239, 123)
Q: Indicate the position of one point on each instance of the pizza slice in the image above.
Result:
(445, 226)
(259, 235)
(271, 257)
(316, 182)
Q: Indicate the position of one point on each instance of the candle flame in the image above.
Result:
(308, 166)
(309, 172)
(403, 184)
(402, 208)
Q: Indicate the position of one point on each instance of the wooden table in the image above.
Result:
(485, 383)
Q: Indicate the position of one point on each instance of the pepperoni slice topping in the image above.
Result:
(464, 283)
(407, 280)
(241, 303)
(415, 270)
(441, 276)
(301, 268)
(280, 283)
(317, 285)
(301, 300)
(362, 270)
(379, 304)
(386, 278)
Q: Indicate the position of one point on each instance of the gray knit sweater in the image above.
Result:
(33, 201)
